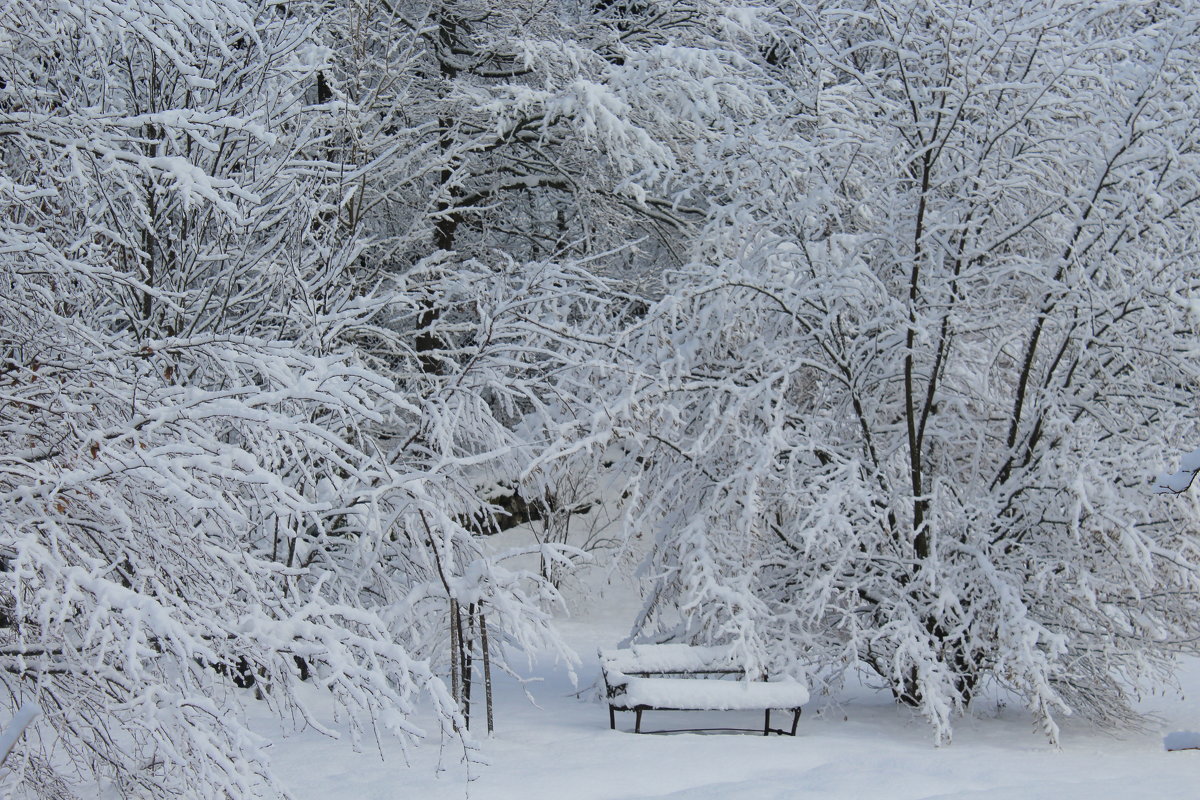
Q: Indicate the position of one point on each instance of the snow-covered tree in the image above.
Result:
(521, 137)
(289, 291)
(209, 491)
(907, 408)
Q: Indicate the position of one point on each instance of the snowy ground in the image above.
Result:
(862, 747)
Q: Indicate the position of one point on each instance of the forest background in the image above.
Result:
(872, 322)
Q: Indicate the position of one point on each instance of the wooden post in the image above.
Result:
(487, 668)
(468, 648)
(455, 682)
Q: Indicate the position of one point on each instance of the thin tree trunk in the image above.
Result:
(446, 219)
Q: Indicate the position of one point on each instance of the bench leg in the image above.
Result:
(767, 723)
(612, 719)
(795, 720)
(637, 722)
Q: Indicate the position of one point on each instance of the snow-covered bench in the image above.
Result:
(680, 677)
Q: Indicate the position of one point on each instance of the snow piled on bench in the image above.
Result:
(1182, 740)
(692, 694)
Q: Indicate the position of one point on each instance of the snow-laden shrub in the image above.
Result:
(908, 406)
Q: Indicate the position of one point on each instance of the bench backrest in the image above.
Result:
(671, 659)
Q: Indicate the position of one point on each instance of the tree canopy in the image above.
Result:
(878, 318)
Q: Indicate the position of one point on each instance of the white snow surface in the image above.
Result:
(858, 745)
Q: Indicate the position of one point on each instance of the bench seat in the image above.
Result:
(690, 694)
